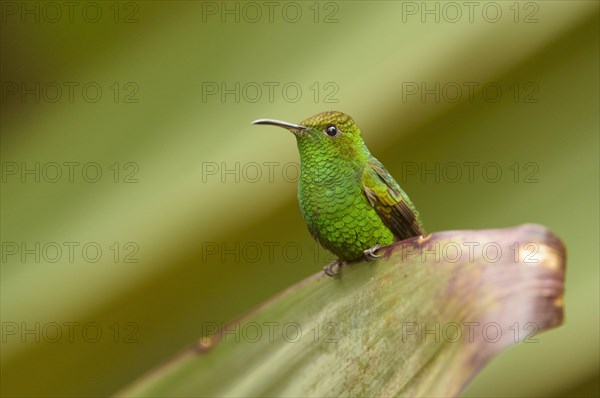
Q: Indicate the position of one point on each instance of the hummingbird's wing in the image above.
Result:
(390, 201)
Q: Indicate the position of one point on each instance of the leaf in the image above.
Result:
(421, 321)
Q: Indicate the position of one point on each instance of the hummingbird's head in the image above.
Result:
(330, 134)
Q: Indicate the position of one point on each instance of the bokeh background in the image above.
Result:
(195, 210)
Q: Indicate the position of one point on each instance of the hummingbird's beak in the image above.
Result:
(294, 128)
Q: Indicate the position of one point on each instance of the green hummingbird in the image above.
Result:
(350, 202)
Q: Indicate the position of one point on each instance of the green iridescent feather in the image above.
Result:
(348, 199)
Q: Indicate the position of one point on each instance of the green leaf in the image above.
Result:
(421, 321)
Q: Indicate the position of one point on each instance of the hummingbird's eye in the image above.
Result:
(331, 130)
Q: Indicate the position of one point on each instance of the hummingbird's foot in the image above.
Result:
(333, 267)
(422, 239)
(370, 254)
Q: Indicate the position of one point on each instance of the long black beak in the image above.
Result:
(294, 128)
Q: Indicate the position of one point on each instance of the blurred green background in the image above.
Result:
(195, 211)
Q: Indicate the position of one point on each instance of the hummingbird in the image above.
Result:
(350, 202)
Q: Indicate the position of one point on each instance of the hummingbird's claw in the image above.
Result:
(370, 254)
(333, 267)
(422, 239)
